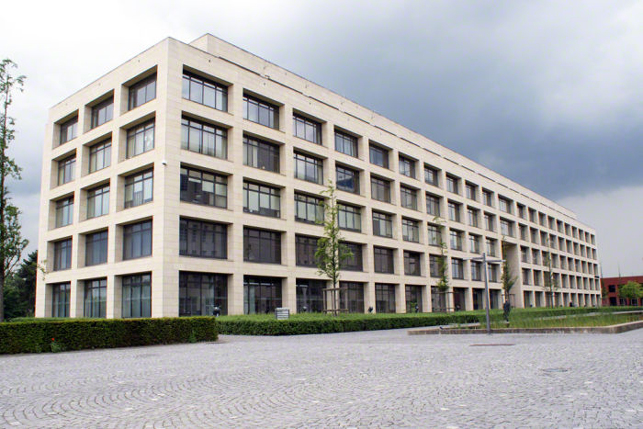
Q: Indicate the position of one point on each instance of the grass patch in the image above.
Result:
(557, 320)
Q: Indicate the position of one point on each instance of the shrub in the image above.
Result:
(36, 335)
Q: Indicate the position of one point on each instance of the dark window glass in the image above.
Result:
(100, 156)
(408, 198)
(504, 205)
(261, 199)
(142, 92)
(345, 143)
(384, 298)
(308, 168)
(306, 129)
(380, 189)
(103, 112)
(95, 298)
(62, 255)
(487, 199)
(200, 137)
(260, 154)
(354, 263)
(308, 209)
(64, 212)
(349, 217)
(474, 243)
(434, 266)
(410, 230)
(139, 188)
(414, 299)
(96, 248)
(261, 295)
(476, 271)
(412, 263)
(261, 112)
(456, 240)
(471, 191)
(137, 240)
(261, 246)
(69, 130)
(347, 179)
(435, 235)
(472, 216)
(431, 176)
(310, 295)
(453, 184)
(491, 247)
(137, 296)
(382, 224)
(204, 91)
(457, 268)
(454, 211)
(199, 293)
(507, 227)
(60, 300)
(305, 248)
(378, 156)
(351, 297)
(98, 201)
(407, 166)
(433, 205)
(140, 139)
(489, 222)
(203, 239)
(202, 187)
(66, 170)
(383, 260)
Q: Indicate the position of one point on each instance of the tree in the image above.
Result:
(20, 289)
(550, 284)
(331, 253)
(506, 279)
(630, 290)
(11, 242)
(443, 266)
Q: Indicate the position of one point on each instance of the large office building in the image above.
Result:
(190, 177)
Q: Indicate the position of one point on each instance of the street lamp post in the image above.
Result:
(485, 261)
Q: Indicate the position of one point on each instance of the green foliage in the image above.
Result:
(36, 335)
(443, 266)
(506, 279)
(20, 289)
(630, 290)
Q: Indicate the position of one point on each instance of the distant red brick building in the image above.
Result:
(611, 286)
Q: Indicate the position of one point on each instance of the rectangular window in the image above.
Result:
(351, 297)
(60, 299)
(66, 170)
(407, 166)
(506, 227)
(378, 155)
(349, 217)
(382, 224)
(308, 168)
(306, 129)
(142, 92)
(260, 112)
(431, 175)
(354, 263)
(471, 191)
(137, 296)
(69, 130)
(95, 299)
(203, 239)
(456, 239)
(139, 188)
(100, 156)
(434, 235)
(137, 240)
(347, 179)
(261, 295)
(204, 91)
(491, 246)
(383, 260)
(489, 222)
(305, 248)
(472, 217)
(524, 232)
(260, 199)
(201, 137)
(457, 268)
(62, 255)
(476, 271)
(454, 211)
(345, 143)
(200, 293)
(413, 299)
(412, 263)
(410, 230)
(308, 209)
(380, 189)
(98, 201)
(103, 112)
(384, 298)
(504, 205)
(474, 243)
(408, 198)
(434, 265)
(140, 139)
(487, 198)
(453, 184)
(205, 188)
(433, 205)
(96, 248)
(525, 276)
(260, 245)
(260, 154)
(522, 212)
(64, 212)
(493, 273)
(310, 295)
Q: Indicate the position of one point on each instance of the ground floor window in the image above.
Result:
(478, 299)
(351, 297)
(261, 294)
(310, 295)
(438, 300)
(60, 300)
(137, 295)
(200, 293)
(413, 299)
(459, 295)
(95, 297)
(384, 298)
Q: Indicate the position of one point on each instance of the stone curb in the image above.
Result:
(613, 329)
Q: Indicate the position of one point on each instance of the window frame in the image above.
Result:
(262, 108)
(138, 235)
(148, 86)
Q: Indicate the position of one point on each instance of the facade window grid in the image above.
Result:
(487, 198)
(384, 298)
(471, 191)
(434, 266)
(410, 230)
(408, 198)
(476, 271)
(413, 298)
(137, 240)
(474, 243)
(102, 112)
(454, 211)
(205, 92)
(261, 199)
(378, 155)
(203, 239)
(137, 296)
(261, 245)
(98, 201)
(139, 188)
(453, 184)
(261, 295)
(64, 212)
(140, 139)
(504, 205)
(382, 224)
(142, 92)
(431, 175)
(306, 129)
(66, 170)
(260, 154)
(96, 248)
(472, 217)
(434, 235)
(412, 263)
(349, 217)
(260, 112)
(383, 260)
(95, 298)
(60, 299)
(305, 248)
(308, 168)
(407, 167)
(490, 245)
(346, 144)
(354, 263)
(308, 209)
(202, 187)
(100, 156)
(62, 255)
(199, 293)
(351, 297)
(433, 205)
(69, 130)
(455, 239)
(347, 179)
(380, 189)
(203, 138)
(457, 268)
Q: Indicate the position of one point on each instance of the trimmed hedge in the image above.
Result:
(38, 336)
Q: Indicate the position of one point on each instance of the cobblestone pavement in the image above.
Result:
(366, 379)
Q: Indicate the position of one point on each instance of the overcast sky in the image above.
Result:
(547, 93)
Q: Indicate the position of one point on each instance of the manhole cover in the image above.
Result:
(555, 370)
(492, 345)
